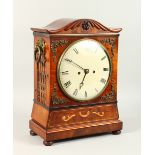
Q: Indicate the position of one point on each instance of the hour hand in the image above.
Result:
(81, 84)
(86, 71)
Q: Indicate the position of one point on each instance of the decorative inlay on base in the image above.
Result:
(84, 115)
(67, 118)
(99, 113)
(81, 114)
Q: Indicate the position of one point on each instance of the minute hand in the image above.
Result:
(75, 64)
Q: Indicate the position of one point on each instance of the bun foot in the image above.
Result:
(116, 132)
(47, 143)
(32, 133)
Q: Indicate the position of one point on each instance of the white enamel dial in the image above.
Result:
(83, 70)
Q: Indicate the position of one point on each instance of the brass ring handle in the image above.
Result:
(37, 53)
(84, 115)
(39, 49)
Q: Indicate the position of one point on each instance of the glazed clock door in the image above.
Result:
(83, 70)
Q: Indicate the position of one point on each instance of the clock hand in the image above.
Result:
(86, 71)
(81, 84)
(69, 60)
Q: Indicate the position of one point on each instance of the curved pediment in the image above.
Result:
(76, 26)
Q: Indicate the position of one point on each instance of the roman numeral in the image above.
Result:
(105, 69)
(76, 51)
(85, 94)
(64, 73)
(66, 59)
(96, 90)
(103, 80)
(67, 84)
(75, 92)
(103, 58)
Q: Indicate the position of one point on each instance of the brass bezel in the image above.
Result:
(58, 69)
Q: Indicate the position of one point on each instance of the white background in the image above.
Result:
(120, 13)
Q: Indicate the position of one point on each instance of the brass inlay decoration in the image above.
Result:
(55, 99)
(55, 44)
(98, 113)
(84, 115)
(110, 41)
(40, 59)
(67, 118)
(110, 96)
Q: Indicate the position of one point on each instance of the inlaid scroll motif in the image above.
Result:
(55, 44)
(98, 113)
(84, 115)
(111, 41)
(68, 117)
(40, 59)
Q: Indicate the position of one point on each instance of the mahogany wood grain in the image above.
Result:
(82, 115)
(79, 130)
(54, 115)
(74, 26)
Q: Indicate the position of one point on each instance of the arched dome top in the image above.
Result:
(76, 26)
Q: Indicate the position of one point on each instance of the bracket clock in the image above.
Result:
(75, 80)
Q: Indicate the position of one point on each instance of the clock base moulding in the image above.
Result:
(58, 133)
(60, 124)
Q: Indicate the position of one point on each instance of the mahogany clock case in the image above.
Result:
(55, 116)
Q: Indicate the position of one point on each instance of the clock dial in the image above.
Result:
(83, 70)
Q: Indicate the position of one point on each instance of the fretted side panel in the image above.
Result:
(41, 78)
(42, 70)
(39, 71)
(41, 83)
